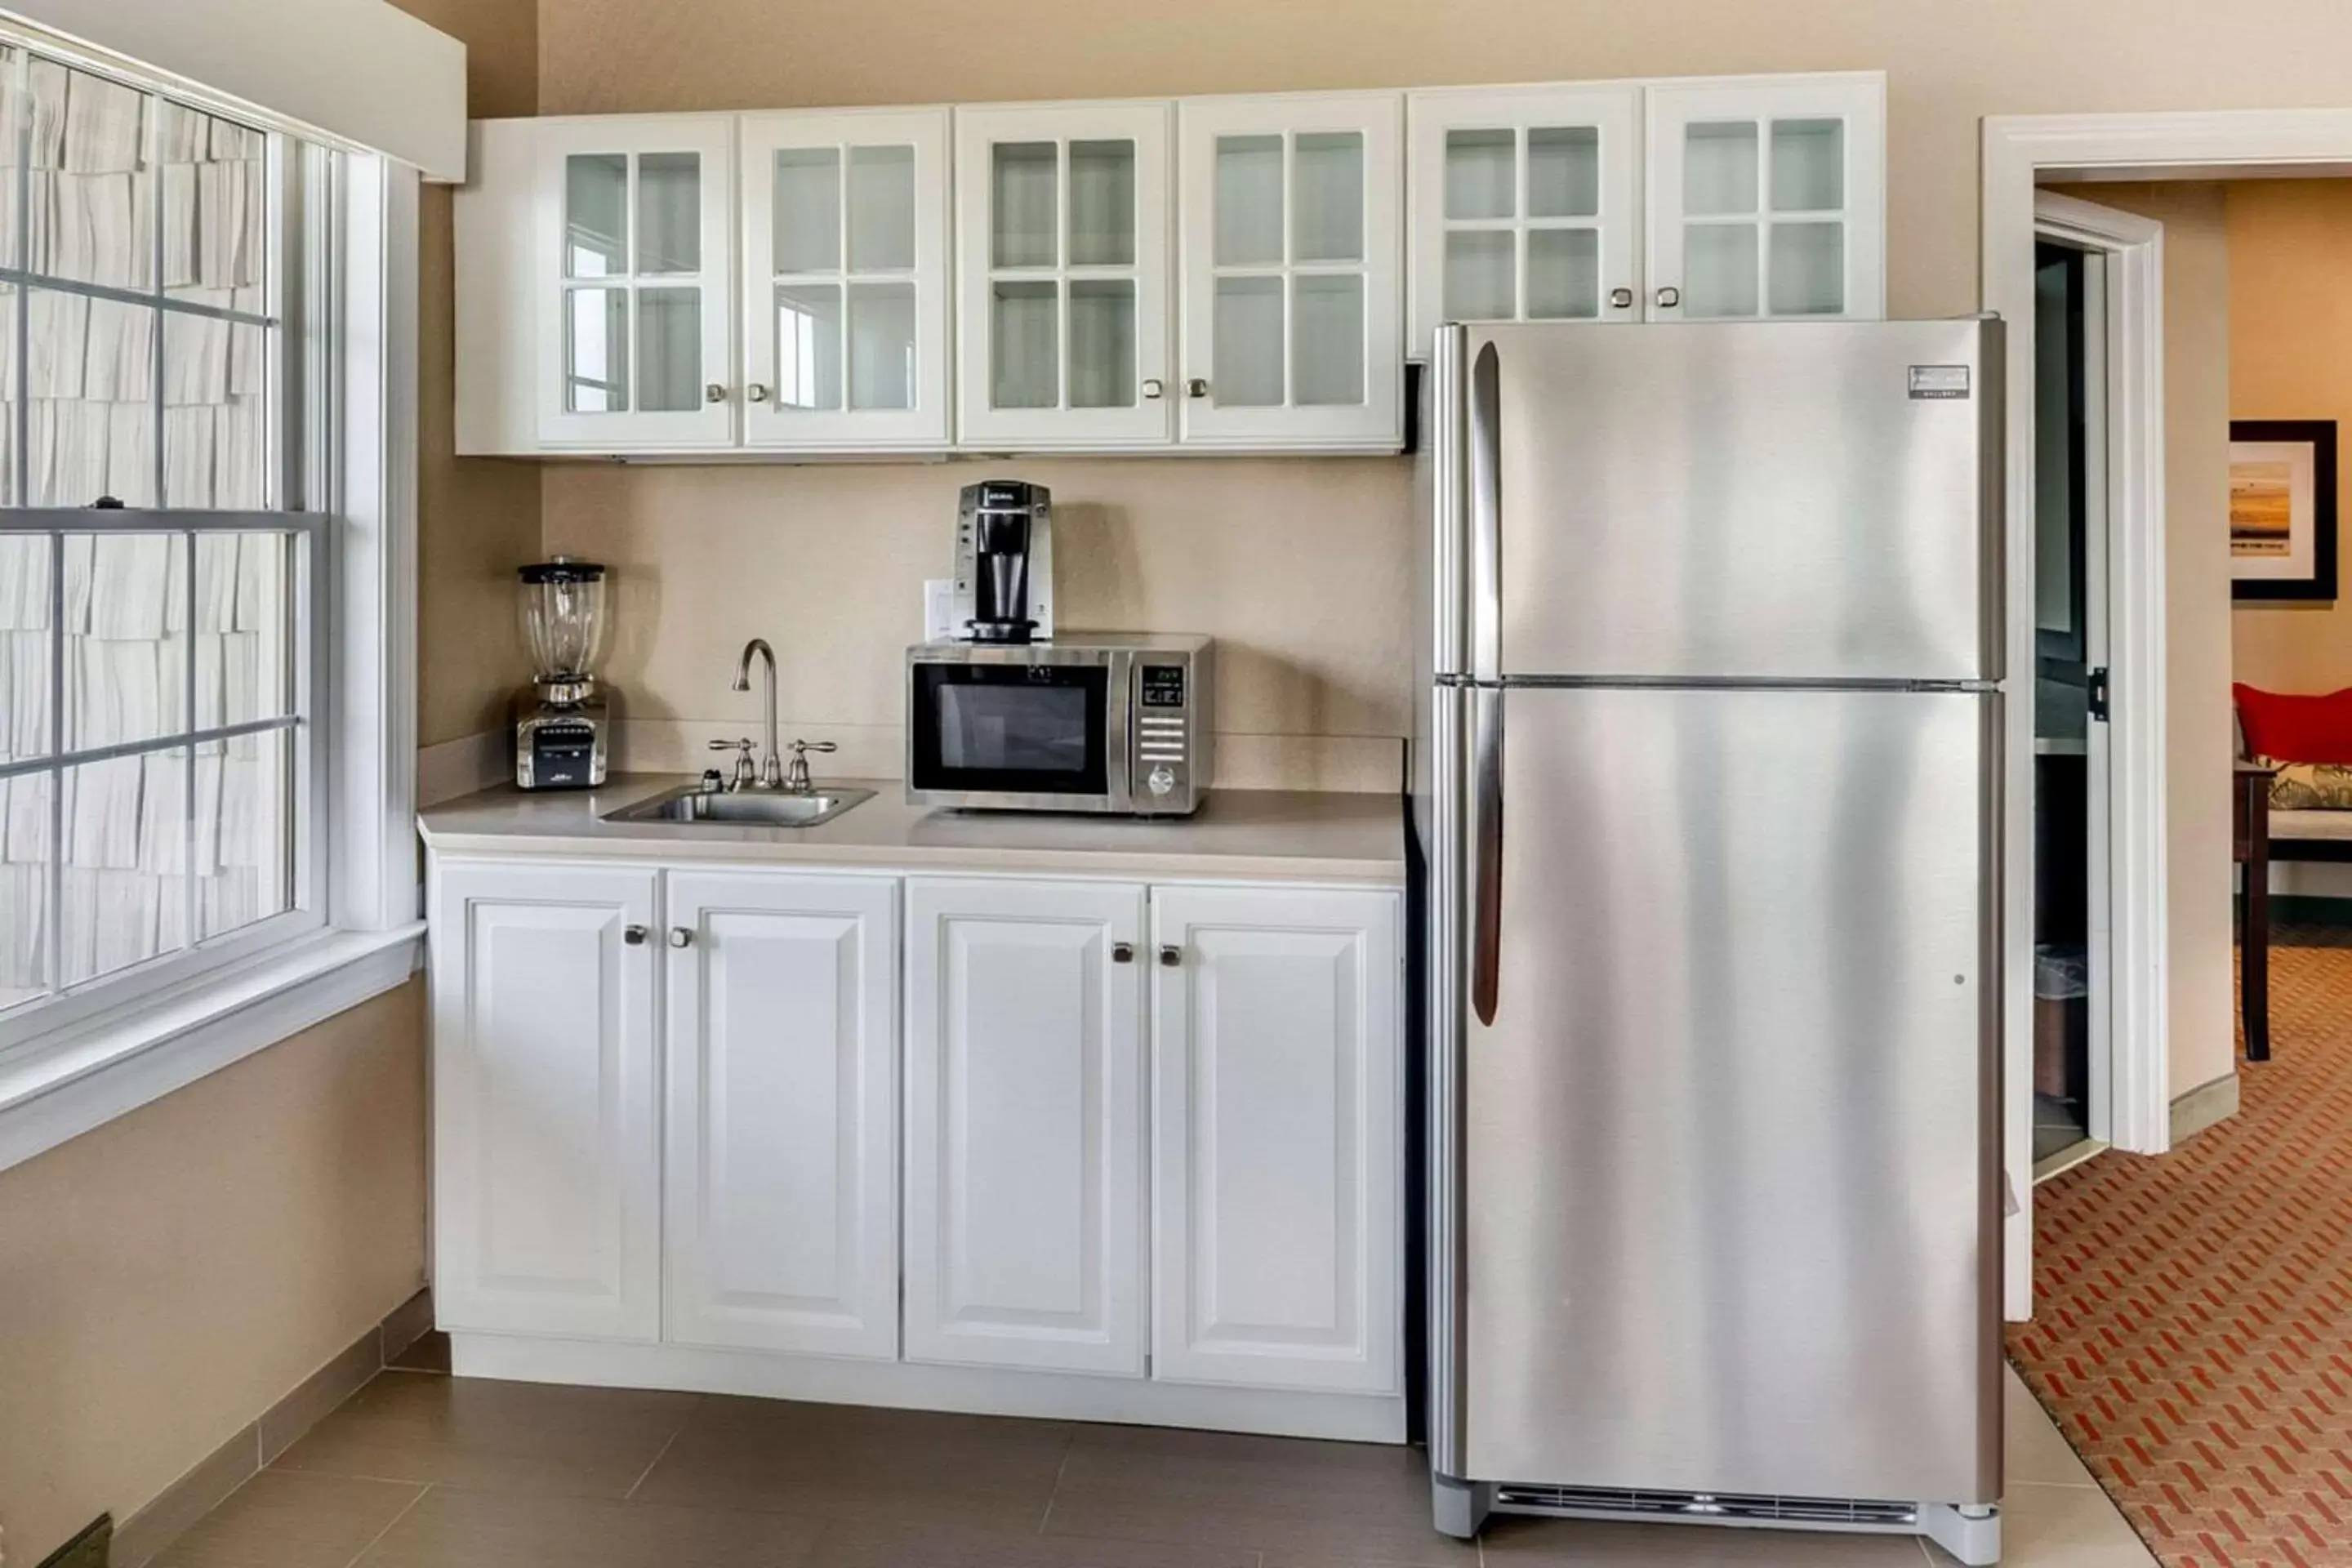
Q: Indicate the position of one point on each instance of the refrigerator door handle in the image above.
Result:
(1486, 854)
(1486, 515)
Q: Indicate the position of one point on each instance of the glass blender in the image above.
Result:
(561, 724)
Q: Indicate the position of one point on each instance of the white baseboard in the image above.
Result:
(2205, 1105)
(901, 1386)
(461, 766)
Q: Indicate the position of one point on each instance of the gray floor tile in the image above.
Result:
(525, 1438)
(281, 1521)
(482, 1530)
(872, 1545)
(1593, 1544)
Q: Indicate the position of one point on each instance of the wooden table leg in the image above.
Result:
(2254, 929)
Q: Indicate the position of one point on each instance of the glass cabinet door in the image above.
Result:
(1767, 201)
(846, 238)
(1290, 233)
(1523, 206)
(1063, 213)
(637, 329)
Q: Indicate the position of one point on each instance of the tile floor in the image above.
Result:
(421, 1470)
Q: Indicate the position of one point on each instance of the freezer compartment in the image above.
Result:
(1766, 501)
(1730, 1142)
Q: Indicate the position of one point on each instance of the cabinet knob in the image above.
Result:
(1122, 952)
(757, 393)
(1669, 296)
(1152, 386)
(1196, 387)
(1170, 955)
(680, 936)
(1621, 298)
(634, 935)
(714, 393)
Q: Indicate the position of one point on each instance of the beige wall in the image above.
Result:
(165, 1278)
(2291, 358)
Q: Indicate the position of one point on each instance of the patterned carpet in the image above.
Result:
(2192, 1330)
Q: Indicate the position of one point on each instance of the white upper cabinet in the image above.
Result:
(1062, 330)
(636, 291)
(845, 279)
(1768, 197)
(1526, 206)
(1291, 226)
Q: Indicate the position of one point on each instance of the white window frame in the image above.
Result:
(102, 1049)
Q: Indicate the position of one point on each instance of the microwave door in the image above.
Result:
(983, 734)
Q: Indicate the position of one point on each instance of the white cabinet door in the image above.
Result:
(1024, 1125)
(636, 291)
(781, 1223)
(1278, 1139)
(1061, 251)
(1768, 197)
(1291, 229)
(845, 279)
(1524, 206)
(546, 1149)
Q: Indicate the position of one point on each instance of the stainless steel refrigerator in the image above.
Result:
(1706, 789)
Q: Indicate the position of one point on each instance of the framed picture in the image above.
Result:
(2283, 508)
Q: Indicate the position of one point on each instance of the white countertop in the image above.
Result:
(1260, 834)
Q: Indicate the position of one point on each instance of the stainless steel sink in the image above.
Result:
(758, 808)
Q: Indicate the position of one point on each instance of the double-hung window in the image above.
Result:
(165, 479)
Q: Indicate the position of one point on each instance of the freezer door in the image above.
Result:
(1730, 1166)
(1775, 500)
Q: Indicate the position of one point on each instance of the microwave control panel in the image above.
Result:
(1163, 769)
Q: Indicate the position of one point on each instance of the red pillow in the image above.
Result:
(2289, 728)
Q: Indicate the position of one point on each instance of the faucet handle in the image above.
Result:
(744, 772)
(801, 746)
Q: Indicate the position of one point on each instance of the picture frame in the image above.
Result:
(2283, 508)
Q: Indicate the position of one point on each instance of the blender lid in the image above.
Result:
(563, 569)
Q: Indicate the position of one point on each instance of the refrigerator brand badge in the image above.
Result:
(1939, 381)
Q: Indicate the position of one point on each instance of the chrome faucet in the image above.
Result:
(771, 765)
(797, 781)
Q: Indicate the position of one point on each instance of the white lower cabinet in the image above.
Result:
(781, 1198)
(1024, 1125)
(1278, 1132)
(546, 1142)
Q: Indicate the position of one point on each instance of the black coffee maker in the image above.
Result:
(1004, 562)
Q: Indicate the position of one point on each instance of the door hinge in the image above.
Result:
(2098, 694)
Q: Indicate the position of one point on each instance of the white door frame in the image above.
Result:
(2019, 152)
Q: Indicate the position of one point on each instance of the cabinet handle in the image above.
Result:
(714, 393)
(1122, 952)
(1669, 296)
(757, 393)
(634, 935)
(1152, 386)
(680, 936)
(1196, 387)
(1170, 955)
(1621, 298)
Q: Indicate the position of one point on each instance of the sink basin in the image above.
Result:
(758, 808)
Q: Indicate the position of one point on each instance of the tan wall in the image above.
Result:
(2291, 358)
(167, 1276)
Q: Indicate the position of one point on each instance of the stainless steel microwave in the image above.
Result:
(1094, 721)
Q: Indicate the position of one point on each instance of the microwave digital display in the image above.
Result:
(1163, 686)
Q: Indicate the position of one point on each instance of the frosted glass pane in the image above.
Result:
(669, 212)
(126, 645)
(1563, 171)
(881, 209)
(1808, 165)
(1248, 342)
(1249, 200)
(1327, 339)
(1102, 343)
(1808, 268)
(1482, 174)
(808, 347)
(1327, 211)
(669, 350)
(597, 351)
(1025, 345)
(882, 346)
(808, 209)
(1719, 166)
(595, 215)
(1102, 204)
(1022, 198)
(1719, 269)
(1481, 275)
(1563, 274)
